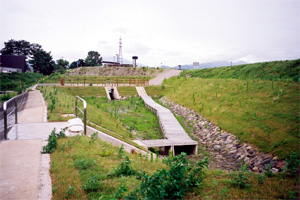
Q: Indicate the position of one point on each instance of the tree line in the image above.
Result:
(42, 61)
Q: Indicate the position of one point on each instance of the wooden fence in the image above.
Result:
(104, 82)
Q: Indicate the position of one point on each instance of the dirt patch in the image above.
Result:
(115, 71)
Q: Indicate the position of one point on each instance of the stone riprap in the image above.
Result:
(228, 152)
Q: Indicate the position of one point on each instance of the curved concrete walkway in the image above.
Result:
(158, 80)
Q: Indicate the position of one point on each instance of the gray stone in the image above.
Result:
(217, 147)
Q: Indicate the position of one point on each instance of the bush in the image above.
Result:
(92, 184)
(171, 183)
(52, 141)
(293, 163)
(123, 169)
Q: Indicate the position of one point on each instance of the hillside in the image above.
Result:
(15, 81)
(114, 71)
(276, 70)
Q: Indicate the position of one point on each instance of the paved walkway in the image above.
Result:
(24, 171)
(173, 132)
(158, 80)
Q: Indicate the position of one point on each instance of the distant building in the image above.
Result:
(115, 64)
(10, 63)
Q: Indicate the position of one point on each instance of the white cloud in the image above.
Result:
(171, 32)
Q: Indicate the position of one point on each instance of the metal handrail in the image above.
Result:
(83, 112)
(5, 114)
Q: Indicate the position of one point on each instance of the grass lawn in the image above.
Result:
(79, 160)
(126, 119)
(263, 113)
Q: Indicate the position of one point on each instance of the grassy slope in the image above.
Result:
(218, 184)
(255, 111)
(15, 81)
(107, 114)
(133, 113)
(105, 159)
(276, 70)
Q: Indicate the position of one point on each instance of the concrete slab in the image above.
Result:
(34, 130)
(20, 169)
(34, 108)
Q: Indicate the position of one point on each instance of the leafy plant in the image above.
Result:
(84, 164)
(261, 179)
(171, 183)
(268, 171)
(123, 169)
(70, 191)
(52, 141)
(121, 151)
(241, 180)
(92, 184)
(293, 163)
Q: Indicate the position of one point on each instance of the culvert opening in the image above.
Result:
(188, 149)
(111, 94)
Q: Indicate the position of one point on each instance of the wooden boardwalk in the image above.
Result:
(175, 136)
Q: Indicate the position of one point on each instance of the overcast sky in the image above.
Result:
(170, 32)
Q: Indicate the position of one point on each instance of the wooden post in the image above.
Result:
(77, 82)
(71, 81)
(129, 81)
(117, 82)
(112, 82)
(83, 82)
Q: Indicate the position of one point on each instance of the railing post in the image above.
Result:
(5, 120)
(16, 111)
(84, 120)
(75, 106)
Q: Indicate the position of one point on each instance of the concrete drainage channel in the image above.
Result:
(112, 93)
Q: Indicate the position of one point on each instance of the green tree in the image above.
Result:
(93, 59)
(42, 62)
(20, 48)
(61, 66)
(73, 65)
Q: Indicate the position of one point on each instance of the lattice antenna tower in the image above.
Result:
(120, 51)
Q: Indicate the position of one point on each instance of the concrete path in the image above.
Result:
(19, 169)
(35, 109)
(24, 171)
(158, 80)
(173, 132)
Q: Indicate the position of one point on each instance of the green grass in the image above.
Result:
(108, 116)
(132, 113)
(276, 70)
(84, 91)
(78, 158)
(66, 169)
(18, 81)
(219, 185)
(127, 91)
(263, 113)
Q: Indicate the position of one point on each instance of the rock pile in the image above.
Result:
(228, 152)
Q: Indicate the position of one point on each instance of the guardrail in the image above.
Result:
(13, 102)
(82, 111)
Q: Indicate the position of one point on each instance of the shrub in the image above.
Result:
(171, 183)
(293, 164)
(123, 169)
(52, 141)
(92, 184)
